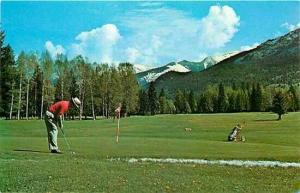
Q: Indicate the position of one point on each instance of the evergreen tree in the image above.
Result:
(222, 99)
(294, 99)
(259, 98)
(7, 79)
(162, 101)
(153, 100)
(143, 102)
(232, 100)
(192, 102)
(179, 102)
(170, 107)
(279, 104)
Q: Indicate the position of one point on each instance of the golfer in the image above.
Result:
(53, 119)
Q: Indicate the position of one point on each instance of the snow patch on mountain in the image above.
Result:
(140, 68)
(219, 58)
(150, 77)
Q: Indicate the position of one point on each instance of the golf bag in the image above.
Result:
(232, 135)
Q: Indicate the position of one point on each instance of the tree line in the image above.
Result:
(31, 83)
(246, 97)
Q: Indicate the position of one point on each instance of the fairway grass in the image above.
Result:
(26, 165)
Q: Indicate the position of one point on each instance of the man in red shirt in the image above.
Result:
(53, 118)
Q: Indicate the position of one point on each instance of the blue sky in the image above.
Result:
(147, 33)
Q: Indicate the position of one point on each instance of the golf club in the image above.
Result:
(69, 148)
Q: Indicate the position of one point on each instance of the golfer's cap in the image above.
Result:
(76, 102)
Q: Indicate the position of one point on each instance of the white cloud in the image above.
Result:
(218, 27)
(249, 47)
(97, 44)
(156, 35)
(54, 50)
(163, 34)
(290, 27)
(132, 54)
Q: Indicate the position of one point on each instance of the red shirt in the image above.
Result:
(59, 108)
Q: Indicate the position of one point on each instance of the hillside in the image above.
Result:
(276, 61)
(184, 66)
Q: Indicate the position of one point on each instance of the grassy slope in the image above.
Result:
(158, 136)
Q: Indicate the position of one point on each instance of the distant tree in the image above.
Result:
(61, 66)
(21, 62)
(153, 99)
(207, 102)
(162, 101)
(294, 99)
(279, 104)
(72, 90)
(192, 102)
(170, 107)
(232, 102)
(187, 108)
(30, 65)
(7, 79)
(259, 98)
(47, 88)
(130, 87)
(179, 102)
(222, 99)
(36, 91)
(241, 101)
(143, 102)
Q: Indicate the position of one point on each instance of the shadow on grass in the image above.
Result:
(30, 150)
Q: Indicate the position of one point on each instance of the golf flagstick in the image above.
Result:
(118, 129)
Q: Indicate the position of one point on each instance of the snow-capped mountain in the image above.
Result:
(276, 61)
(219, 58)
(140, 68)
(152, 76)
(184, 66)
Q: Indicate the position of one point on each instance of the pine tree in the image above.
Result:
(179, 101)
(192, 102)
(162, 101)
(279, 104)
(153, 100)
(259, 98)
(294, 106)
(222, 99)
(143, 102)
(7, 79)
(170, 107)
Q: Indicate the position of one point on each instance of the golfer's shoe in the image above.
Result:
(56, 151)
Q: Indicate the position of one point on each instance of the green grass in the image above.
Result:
(26, 165)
